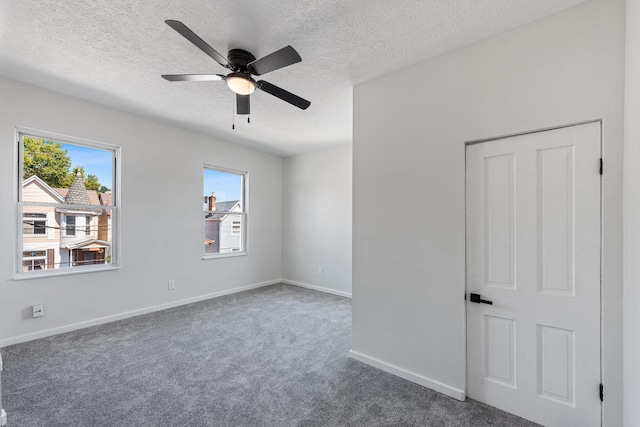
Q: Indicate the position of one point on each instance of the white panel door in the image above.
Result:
(533, 250)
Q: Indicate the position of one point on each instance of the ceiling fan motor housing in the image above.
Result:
(239, 58)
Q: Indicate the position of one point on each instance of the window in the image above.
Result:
(235, 228)
(34, 260)
(70, 230)
(68, 205)
(225, 214)
(34, 224)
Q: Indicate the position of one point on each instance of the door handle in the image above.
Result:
(476, 298)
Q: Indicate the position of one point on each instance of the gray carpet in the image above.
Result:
(275, 356)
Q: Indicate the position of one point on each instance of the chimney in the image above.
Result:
(212, 202)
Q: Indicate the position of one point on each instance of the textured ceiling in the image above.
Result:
(114, 51)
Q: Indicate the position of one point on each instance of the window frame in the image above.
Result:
(33, 258)
(243, 214)
(69, 230)
(35, 219)
(20, 203)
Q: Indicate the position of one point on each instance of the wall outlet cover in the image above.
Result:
(37, 310)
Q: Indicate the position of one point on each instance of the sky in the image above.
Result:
(227, 186)
(95, 162)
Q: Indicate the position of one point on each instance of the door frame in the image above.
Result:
(600, 278)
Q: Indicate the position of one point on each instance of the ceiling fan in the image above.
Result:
(243, 66)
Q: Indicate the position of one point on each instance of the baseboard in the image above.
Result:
(3, 418)
(410, 376)
(120, 316)
(317, 288)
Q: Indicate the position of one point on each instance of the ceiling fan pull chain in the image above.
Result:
(248, 119)
(233, 117)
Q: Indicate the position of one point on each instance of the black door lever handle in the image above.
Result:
(476, 298)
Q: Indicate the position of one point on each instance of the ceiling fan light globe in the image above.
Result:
(240, 84)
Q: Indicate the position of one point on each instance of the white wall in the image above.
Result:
(632, 219)
(162, 190)
(317, 220)
(408, 150)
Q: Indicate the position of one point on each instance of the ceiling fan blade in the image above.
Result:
(201, 44)
(193, 77)
(284, 95)
(278, 59)
(242, 104)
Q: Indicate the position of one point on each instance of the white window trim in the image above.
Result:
(244, 213)
(116, 237)
(225, 255)
(34, 258)
(66, 224)
(33, 235)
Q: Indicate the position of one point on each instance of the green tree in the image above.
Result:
(49, 161)
(91, 182)
(46, 159)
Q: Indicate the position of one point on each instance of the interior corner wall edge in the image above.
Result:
(317, 213)
(161, 216)
(409, 139)
(631, 215)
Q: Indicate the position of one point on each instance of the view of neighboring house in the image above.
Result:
(223, 225)
(57, 236)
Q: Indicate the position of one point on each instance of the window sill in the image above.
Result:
(63, 272)
(225, 255)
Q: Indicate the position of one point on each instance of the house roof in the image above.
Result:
(107, 198)
(77, 194)
(222, 208)
(61, 195)
(94, 198)
(226, 206)
(89, 244)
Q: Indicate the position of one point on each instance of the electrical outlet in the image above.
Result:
(172, 285)
(37, 310)
(320, 271)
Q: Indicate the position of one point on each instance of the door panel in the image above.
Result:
(556, 222)
(533, 249)
(500, 235)
(556, 364)
(500, 350)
